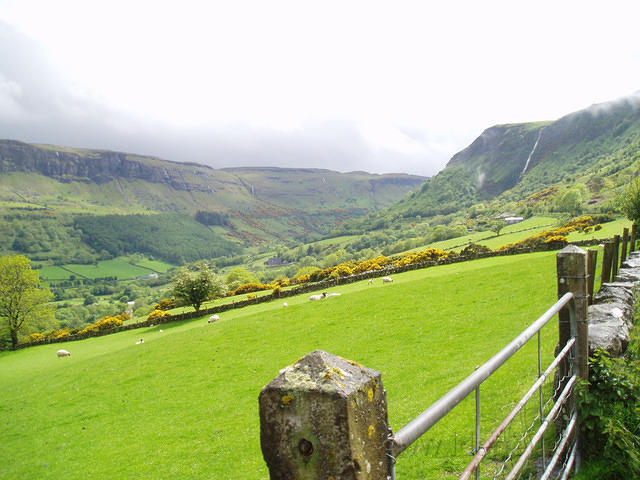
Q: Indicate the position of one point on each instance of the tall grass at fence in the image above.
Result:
(184, 404)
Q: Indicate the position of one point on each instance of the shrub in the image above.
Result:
(251, 287)
(107, 323)
(610, 407)
(157, 313)
(165, 304)
(474, 249)
(34, 337)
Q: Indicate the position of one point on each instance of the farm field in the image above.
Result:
(52, 272)
(110, 268)
(185, 403)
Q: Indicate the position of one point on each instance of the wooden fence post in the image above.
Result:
(572, 273)
(592, 262)
(572, 277)
(632, 248)
(325, 417)
(607, 258)
(625, 241)
(616, 254)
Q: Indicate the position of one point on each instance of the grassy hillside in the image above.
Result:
(253, 205)
(184, 403)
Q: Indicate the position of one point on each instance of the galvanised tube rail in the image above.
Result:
(427, 419)
(543, 428)
(484, 450)
(570, 462)
(563, 444)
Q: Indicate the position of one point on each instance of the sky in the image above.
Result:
(378, 86)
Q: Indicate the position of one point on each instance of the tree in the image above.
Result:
(194, 288)
(22, 302)
(496, 226)
(629, 201)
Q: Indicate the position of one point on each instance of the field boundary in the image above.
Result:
(310, 287)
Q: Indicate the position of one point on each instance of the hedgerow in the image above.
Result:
(610, 406)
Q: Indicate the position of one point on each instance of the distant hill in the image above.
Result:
(54, 185)
(598, 147)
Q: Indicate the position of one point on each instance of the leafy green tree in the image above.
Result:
(22, 301)
(195, 288)
(629, 201)
(240, 275)
(496, 226)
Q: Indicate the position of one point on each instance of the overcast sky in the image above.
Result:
(347, 85)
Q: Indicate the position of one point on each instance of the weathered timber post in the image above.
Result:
(634, 227)
(592, 261)
(607, 258)
(325, 418)
(616, 255)
(572, 277)
(625, 242)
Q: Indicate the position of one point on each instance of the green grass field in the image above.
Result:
(52, 272)
(185, 403)
(155, 265)
(110, 268)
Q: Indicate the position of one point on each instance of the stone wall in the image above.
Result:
(612, 315)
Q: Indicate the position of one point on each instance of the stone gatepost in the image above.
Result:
(325, 418)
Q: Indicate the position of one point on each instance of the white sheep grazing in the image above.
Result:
(64, 353)
(140, 341)
(160, 330)
(334, 295)
(285, 304)
(371, 281)
(387, 279)
(318, 297)
(213, 318)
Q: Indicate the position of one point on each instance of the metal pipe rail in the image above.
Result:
(484, 450)
(427, 419)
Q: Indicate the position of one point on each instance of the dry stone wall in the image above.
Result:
(612, 315)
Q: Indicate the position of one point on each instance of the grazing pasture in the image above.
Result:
(184, 404)
(117, 267)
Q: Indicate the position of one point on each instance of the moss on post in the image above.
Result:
(325, 418)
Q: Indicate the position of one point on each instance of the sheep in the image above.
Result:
(160, 330)
(64, 353)
(285, 304)
(140, 341)
(213, 318)
(318, 297)
(371, 281)
(387, 279)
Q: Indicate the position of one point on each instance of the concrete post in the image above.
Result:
(324, 418)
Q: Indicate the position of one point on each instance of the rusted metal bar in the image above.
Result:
(563, 444)
(427, 419)
(482, 451)
(547, 421)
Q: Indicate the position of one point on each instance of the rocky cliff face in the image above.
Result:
(92, 166)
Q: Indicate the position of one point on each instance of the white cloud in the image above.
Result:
(444, 71)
